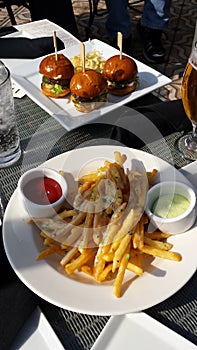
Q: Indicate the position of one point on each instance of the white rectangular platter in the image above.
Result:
(139, 331)
(27, 76)
(37, 333)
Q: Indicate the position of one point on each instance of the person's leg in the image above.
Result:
(62, 14)
(118, 18)
(119, 21)
(154, 20)
(156, 14)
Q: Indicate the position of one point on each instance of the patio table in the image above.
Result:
(42, 137)
(79, 331)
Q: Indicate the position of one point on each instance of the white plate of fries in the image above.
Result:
(108, 261)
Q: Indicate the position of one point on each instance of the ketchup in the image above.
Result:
(43, 190)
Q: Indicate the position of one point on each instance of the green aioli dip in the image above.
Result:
(170, 206)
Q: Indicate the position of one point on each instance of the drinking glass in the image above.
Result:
(10, 150)
(187, 144)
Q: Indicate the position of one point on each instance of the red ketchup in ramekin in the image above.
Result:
(43, 190)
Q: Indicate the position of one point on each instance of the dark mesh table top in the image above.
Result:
(42, 137)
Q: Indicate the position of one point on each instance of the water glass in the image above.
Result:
(10, 150)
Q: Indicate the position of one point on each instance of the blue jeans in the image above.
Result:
(155, 15)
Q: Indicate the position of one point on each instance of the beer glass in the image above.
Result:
(187, 144)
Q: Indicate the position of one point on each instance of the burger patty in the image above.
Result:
(62, 82)
(121, 84)
(87, 99)
(87, 105)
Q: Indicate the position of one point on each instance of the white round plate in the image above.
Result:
(78, 292)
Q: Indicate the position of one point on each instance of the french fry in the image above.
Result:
(99, 266)
(49, 242)
(111, 229)
(87, 226)
(78, 262)
(135, 236)
(86, 186)
(157, 244)
(77, 219)
(133, 267)
(43, 235)
(87, 270)
(75, 233)
(151, 175)
(51, 250)
(141, 187)
(108, 257)
(66, 214)
(157, 235)
(115, 245)
(120, 158)
(116, 173)
(104, 247)
(120, 275)
(164, 254)
(99, 263)
(96, 175)
(103, 275)
(99, 224)
(120, 251)
(69, 255)
(138, 236)
(129, 222)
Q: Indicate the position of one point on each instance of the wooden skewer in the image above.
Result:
(119, 43)
(55, 44)
(82, 52)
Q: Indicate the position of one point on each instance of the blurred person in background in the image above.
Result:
(154, 21)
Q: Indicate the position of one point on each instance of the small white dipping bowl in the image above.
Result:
(177, 224)
(42, 210)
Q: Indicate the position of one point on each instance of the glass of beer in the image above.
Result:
(187, 144)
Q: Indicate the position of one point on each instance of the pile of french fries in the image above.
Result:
(105, 233)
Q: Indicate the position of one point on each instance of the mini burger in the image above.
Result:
(88, 90)
(57, 74)
(121, 74)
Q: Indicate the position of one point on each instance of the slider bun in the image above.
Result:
(116, 69)
(48, 90)
(62, 68)
(88, 84)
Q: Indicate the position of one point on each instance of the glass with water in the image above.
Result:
(10, 150)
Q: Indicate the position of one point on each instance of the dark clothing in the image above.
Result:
(28, 48)
(60, 13)
(151, 123)
(17, 302)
